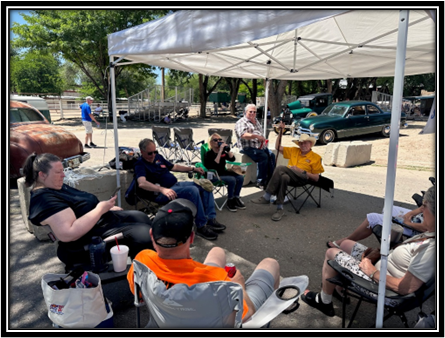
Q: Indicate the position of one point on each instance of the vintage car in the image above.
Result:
(305, 106)
(31, 132)
(345, 119)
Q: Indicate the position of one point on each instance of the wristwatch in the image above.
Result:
(372, 274)
(304, 172)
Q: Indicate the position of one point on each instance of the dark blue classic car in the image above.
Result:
(345, 119)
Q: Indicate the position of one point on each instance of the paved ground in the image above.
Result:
(297, 242)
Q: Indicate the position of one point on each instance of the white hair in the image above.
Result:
(249, 106)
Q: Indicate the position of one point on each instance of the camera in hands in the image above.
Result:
(226, 148)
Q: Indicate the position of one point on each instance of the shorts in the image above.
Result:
(88, 127)
(259, 286)
(377, 219)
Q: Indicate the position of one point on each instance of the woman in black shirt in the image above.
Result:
(76, 216)
(216, 159)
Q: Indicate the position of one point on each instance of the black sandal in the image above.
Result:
(311, 299)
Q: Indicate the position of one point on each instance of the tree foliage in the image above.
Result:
(35, 72)
(80, 36)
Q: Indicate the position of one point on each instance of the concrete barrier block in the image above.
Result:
(353, 153)
(331, 153)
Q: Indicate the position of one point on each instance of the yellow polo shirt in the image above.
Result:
(311, 162)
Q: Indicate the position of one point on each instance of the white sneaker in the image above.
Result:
(273, 199)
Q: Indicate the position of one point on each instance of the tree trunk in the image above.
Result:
(233, 84)
(204, 93)
(276, 92)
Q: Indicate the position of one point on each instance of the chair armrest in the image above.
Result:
(276, 303)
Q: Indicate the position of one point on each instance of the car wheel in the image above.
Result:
(386, 130)
(327, 136)
(311, 114)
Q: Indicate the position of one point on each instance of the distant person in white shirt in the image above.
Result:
(98, 110)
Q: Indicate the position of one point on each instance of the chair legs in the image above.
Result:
(222, 191)
(292, 195)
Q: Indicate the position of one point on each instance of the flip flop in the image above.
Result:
(335, 245)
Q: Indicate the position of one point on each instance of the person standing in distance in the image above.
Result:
(87, 118)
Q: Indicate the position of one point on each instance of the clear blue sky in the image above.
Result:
(14, 16)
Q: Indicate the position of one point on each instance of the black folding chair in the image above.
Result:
(164, 143)
(226, 134)
(187, 149)
(308, 189)
(360, 288)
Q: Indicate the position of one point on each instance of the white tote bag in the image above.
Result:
(75, 307)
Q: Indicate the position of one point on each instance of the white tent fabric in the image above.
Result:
(430, 126)
(293, 45)
(300, 44)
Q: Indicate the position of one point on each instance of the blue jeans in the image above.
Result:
(261, 157)
(234, 184)
(202, 199)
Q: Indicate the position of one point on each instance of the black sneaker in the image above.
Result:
(239, 204)
(215, 225)
(206, 233)
(93, 145)
(87, 146)
(314, 299)
(231, 204)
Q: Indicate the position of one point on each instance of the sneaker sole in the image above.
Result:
(241, 208)
(233, 210)
(208, 238)
(216, 229)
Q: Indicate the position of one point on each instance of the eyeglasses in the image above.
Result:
(152, 152)
(252, 111)
(216, 139)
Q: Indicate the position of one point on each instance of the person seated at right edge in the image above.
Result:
(304, 165)
(409, 265)
(411, 218)
(157, 183)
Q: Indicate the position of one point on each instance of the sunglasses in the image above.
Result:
(152, 152)
(216, 139)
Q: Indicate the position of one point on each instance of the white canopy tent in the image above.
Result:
(289, 45)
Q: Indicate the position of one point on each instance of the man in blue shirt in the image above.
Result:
(158, 184)
(87, 117)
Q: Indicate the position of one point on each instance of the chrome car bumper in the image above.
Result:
(75, 161)
(298, 131)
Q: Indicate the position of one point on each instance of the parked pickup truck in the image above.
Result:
(31, 132)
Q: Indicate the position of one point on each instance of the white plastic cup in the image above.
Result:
(209, 175)
(119, 257)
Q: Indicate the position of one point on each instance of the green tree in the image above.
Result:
(80, 36)
(35, 72)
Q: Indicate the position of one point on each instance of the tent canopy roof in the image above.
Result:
(280, 44)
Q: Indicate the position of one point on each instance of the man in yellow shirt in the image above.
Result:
(304, 165)
(172, 233)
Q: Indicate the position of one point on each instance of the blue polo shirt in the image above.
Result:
(156, 172)
(86, 111)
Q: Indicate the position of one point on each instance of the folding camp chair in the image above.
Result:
(150, 207)
(226, 134)
(187, 149)
(322, 183)
(164, 143)
(219, 186)
(359, 288)
(204, 305)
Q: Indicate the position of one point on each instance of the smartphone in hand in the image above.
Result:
(115, 191)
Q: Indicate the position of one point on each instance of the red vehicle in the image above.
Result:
(31, 132)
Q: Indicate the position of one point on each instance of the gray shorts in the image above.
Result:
(88, 127)
(259, 286)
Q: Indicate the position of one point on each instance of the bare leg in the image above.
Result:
(328, 272)
(216, 256)
(361, 232)
(271, 265)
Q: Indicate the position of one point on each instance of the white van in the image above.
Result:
(35, 101)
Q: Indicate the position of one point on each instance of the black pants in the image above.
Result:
(134, 225)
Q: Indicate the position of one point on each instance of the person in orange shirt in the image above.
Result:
(303, 165)
(172, 233)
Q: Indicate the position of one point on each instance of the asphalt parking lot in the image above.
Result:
(298, 241)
